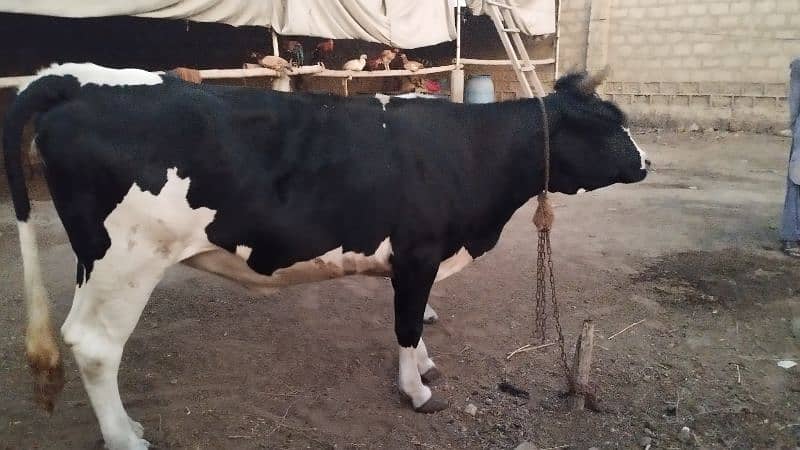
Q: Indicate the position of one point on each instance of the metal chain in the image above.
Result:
(544, 263)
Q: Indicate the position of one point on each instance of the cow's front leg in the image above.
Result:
(413, 274)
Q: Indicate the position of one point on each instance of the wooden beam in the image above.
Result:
(502, 62)
(212, 74)
(383, 73)
(316, 71)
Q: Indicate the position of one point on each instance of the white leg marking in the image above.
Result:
(104, 312)
(430, 315)
(410, 381)
(424, 363)
(642, 154)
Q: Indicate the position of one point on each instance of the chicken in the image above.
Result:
(383, 61)
(275, 63)
(410, 65)
(293, 52)
(322, 52)
(356, 65)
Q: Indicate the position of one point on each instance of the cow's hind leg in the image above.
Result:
(413, 274)
(104, 312)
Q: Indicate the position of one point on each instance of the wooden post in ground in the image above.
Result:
(582, 365)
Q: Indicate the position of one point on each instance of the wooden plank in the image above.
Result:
(503, 62)
(215, 74)
(383, 73)
(317, 71)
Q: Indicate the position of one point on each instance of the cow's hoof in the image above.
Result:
(431, 375)
(137, 428)
(434, 404)
(430, 320)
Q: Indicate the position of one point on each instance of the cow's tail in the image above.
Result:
(40, 344)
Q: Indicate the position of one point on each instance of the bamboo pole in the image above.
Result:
(275, 50)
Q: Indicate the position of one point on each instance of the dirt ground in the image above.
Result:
(692, 250)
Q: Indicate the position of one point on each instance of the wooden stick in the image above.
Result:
(382, 73)
(738, 374)
(582, 364)
(528, 348)
(625, 329)
(502, 62)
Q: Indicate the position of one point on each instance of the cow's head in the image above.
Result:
(591, 144)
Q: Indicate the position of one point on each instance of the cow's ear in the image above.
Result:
(588, 85)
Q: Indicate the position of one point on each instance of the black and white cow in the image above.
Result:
(272, 189)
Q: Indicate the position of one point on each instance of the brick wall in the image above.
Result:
(710, 62)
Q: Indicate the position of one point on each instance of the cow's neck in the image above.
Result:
(513, 167)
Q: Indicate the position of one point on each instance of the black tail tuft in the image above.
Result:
(39, 96)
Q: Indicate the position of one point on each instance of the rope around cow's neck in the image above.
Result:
(543, 219)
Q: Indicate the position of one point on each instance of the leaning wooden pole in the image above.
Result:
(582, 366)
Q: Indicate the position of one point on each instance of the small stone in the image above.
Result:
(685, 435)
(785, 133)
(526, 446)
(694, 127)
(796, 327)
(709, 130)
(471, 409)
(644, 441)
(173, 381)
(649, 432)
(488, 401)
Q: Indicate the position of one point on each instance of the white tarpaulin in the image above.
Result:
(534, 17)
(400, 23)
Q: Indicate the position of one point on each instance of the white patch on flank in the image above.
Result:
(39, 341)
(409, 380)
(453, 264)
(88, 73)
(642, 154)
(149, 233)
(384, 99)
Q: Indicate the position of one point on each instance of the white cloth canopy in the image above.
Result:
(400, 23)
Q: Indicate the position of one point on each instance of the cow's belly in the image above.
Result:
(334, 264)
